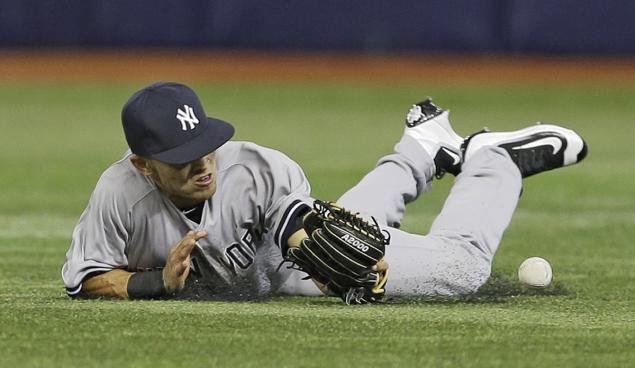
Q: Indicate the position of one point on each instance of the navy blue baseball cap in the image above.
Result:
(166, 121)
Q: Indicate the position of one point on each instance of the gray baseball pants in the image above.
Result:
(456, 255)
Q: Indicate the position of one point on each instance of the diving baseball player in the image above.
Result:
(186, 202)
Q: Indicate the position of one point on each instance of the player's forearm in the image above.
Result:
(122, 284)
(111, 284)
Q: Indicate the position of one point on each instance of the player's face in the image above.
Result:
(189, 184)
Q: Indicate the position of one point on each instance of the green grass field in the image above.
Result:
(57, 139)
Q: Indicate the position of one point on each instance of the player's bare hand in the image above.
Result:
(177, 266)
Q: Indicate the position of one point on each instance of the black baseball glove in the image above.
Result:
(340, 253)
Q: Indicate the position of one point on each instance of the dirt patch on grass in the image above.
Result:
(205, 66)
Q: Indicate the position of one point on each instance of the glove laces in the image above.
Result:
(330, 211)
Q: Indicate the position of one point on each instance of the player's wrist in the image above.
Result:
(146, 285)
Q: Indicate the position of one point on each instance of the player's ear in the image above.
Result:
(142, 164)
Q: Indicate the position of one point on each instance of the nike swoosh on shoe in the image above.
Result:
(455, 157)
(554, 142)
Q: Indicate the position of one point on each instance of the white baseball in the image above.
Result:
(535, 272)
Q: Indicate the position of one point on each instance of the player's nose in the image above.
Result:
(201, 163)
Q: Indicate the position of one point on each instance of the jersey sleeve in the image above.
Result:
(290, 200)
(99, 239)
(287, 192)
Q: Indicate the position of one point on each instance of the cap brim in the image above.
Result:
(218, 132)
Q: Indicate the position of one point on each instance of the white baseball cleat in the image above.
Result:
(535, 149)
(429, 125)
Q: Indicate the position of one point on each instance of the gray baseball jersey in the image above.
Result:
(130, 224)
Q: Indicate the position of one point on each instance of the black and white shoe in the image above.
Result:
(429, 125)
(535, 149)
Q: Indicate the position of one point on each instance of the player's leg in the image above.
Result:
(455, 257)
(428, 148)
(487, 186)
(297, 284)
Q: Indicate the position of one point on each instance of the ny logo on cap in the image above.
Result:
(187, 116)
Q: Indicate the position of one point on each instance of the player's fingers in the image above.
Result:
(196, 235)
(192, 237)
(183, 266)
(184, 242)
(185, 247)
(185, 273)
(381, 266)
(199, 235)
(182, 249)
(190, 241)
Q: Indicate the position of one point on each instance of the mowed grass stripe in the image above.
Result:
(38, 226)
